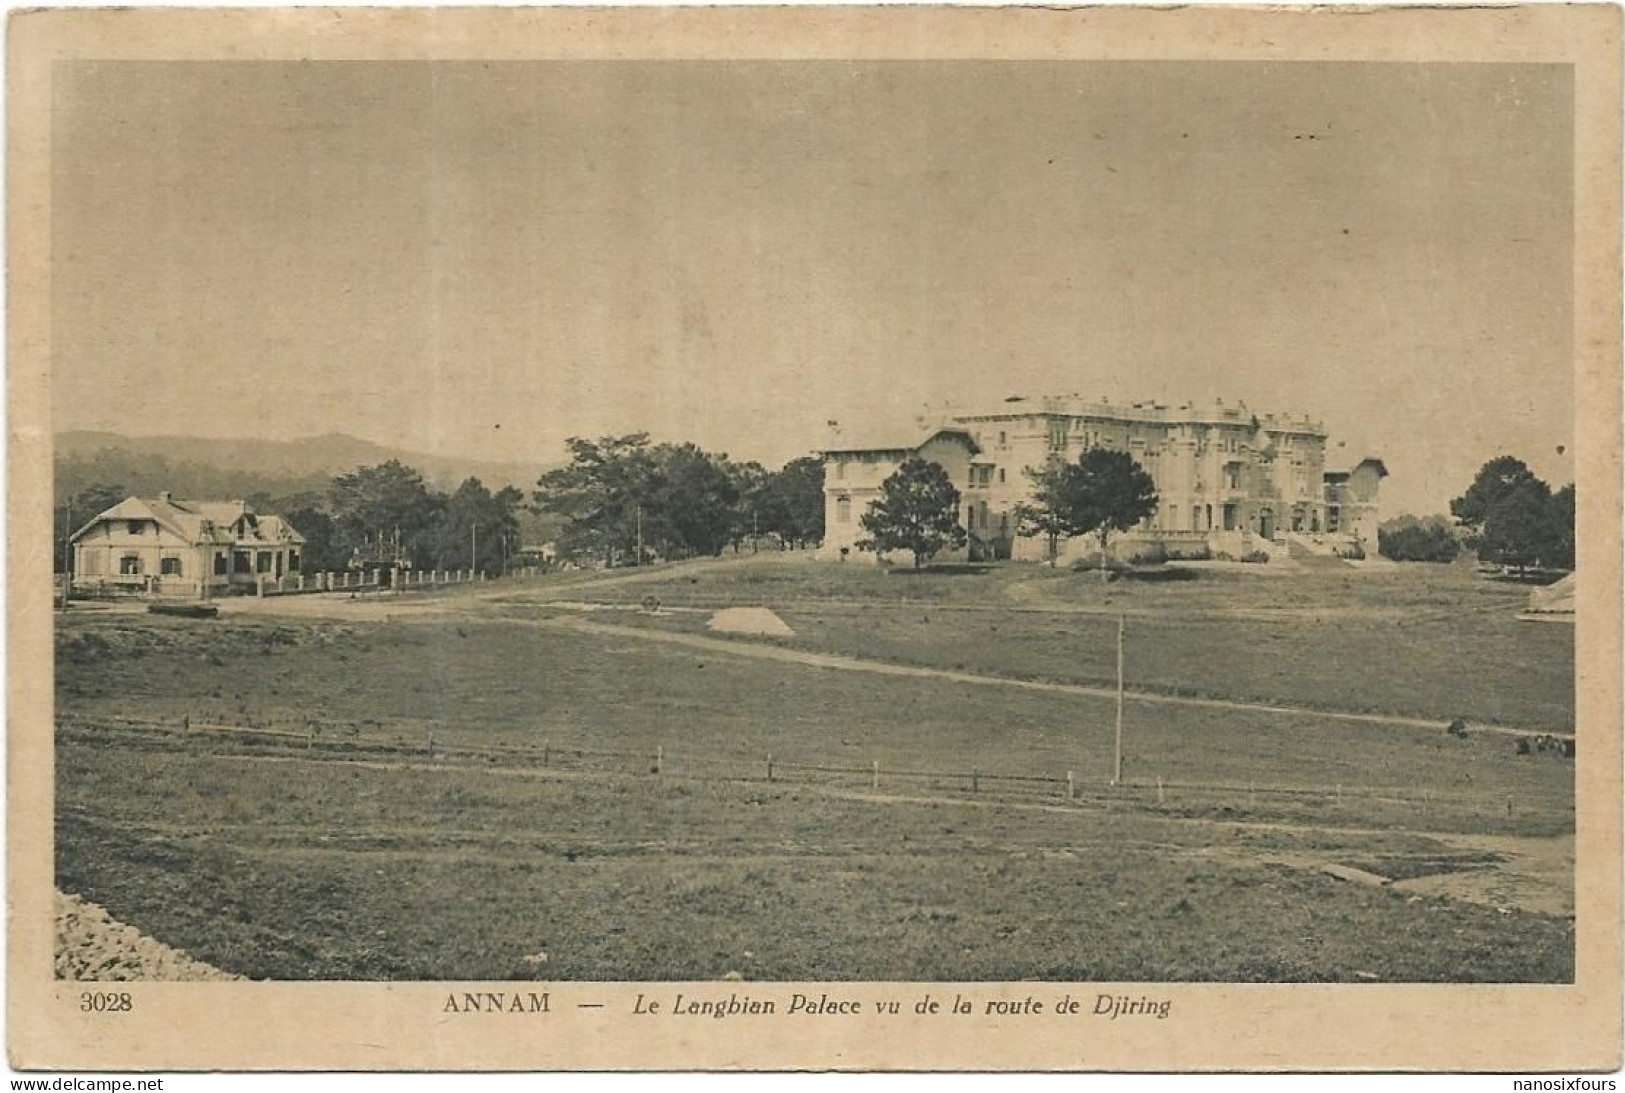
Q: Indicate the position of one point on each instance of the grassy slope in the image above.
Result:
(518, 683)
(301, 870)
(1421, 641)
(322, 870)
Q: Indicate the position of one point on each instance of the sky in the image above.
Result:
(484, 259)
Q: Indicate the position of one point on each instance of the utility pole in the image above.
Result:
(473, 548)
(1117, 768)
(640, 533)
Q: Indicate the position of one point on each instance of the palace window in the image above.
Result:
(843, 510)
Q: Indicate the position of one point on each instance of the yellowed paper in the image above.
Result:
(798, 812)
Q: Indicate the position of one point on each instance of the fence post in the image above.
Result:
(660, 758)
(975, 787)
(770, 766)
(546, 748)
(186, 724)
(1160, 798)
(1340, 793)
(1509, 806)
(875, 780)
(1071, 786)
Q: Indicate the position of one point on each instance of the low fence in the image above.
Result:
(375, 580)
(424, 741)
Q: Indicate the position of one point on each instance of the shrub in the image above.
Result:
(1349, 550)
(1410, 540)
(1153, 554)
(1256, 556)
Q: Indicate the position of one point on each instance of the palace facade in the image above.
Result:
(1228, 480)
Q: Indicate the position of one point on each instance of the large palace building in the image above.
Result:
(1229, 480)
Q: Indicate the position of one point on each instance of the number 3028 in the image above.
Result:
(99, 1002)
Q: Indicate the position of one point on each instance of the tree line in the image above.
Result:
(624, 500)
(1508, 515)
(676, 500)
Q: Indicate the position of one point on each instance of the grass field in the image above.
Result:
(279, 862)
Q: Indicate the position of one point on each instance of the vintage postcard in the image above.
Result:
(800, 538)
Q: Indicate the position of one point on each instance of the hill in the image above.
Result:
(218, 468)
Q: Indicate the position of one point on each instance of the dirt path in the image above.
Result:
(855, 664)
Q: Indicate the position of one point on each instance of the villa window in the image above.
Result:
(169, 567)
(843, 510)
(840, 469)
(221, 563)
(133, 527)
(130, 565)
(262, 563)
(1001, 475)
(293, 561)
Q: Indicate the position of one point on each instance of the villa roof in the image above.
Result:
(893, 443)
(220, 523)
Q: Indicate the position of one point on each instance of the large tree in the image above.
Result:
(1516, 528)
(693, 495)
(1495, 481)
(478, 528)
(1049, 512)
(1103, 492)
(384, 500)
(1559, 546)
(917, 511)
(792, 501)
(601, 494)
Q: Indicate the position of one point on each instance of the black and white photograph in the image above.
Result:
(737, 528)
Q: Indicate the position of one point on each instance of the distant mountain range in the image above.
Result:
(281, 463)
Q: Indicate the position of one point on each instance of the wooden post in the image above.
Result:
(1071, 786)
(546, 748)
(660, 758)
(1509, 806)
(186, 724)
(1160, 798)
(974, 787)
(1117, 767)
(770, 766)
(875, 780)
